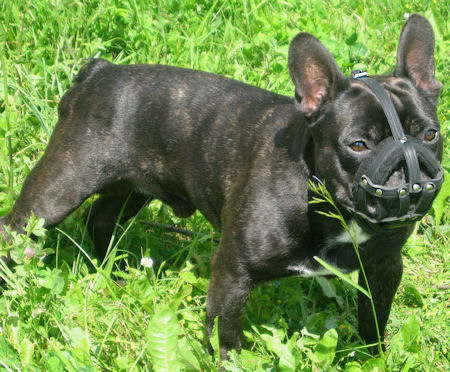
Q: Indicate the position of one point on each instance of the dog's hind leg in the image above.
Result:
(107, 211)
(62, 179)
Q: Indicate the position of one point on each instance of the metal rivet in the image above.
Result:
(416, 187)
(429, 186)
(402, 192)
(379, 192)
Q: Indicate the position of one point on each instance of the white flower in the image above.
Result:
(146, 262)
(37, 312)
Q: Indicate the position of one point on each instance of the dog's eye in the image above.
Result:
(430, 135)
(358, 146)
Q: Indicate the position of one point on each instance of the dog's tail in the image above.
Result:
(91, 68)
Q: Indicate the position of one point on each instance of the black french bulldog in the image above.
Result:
(243, 156)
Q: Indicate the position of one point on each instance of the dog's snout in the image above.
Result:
(397, 178)
(395, 185)
(399, 175)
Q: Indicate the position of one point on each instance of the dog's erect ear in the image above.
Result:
(314, 72)
(415, 55)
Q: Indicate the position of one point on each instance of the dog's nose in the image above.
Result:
(397, 178)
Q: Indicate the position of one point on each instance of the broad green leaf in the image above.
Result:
(54, 364)
(57, 348)
(374, 365)
(162, 341)
(329, 289)
(413, 297)
(326, 348)
(123, 362)
(52, 280)
(252, 360)
(189, 277)
(188, 354)
(78, 338)
(178, 297)
(352, 367)
(410, 330)
(287, 358)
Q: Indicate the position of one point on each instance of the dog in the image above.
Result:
(244, 157)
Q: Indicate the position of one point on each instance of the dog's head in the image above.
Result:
(366, 170)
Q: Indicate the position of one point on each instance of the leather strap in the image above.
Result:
(412, 162)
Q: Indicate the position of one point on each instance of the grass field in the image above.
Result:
(70, 312)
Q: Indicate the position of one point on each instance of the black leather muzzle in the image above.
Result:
(400, 159)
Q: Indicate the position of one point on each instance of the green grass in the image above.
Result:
(69, 312)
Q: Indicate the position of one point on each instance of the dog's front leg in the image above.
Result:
(384, 277)
(228, 291)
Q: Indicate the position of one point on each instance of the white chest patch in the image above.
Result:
(344, 237)
(306, 271)
(305, 268)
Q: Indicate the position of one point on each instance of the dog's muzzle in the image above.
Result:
(381, 207)
(377, 206)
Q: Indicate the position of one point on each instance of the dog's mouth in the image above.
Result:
(388, 194)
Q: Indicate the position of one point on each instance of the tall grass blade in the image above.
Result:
(341, 275)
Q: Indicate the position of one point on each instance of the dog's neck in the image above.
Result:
(297, 141)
